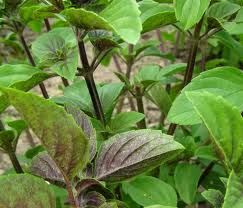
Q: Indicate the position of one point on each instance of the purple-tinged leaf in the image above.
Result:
(91, 199)
(90, 184)
(64, 141)
(43, 166)
(131, 153)
(85, 124)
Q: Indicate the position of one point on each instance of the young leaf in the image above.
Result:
(125, 120)
(24, 190)
(224, 81)
(85, 124)
(155, 15)
(147, 191)
(131, 153)
(195, 8)
(62, 138)
(108, 95)
(215, 197)
(225, 128)
(58, 50)
(186, 181)
(18, 126)
(233, 195)
(120, 16)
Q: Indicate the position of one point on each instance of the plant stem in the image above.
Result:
(130, 61)
(69, 189)
(1, 126)
(118, 66)
(190, 64)
(89, 78)
(140, 106)
(192, 54)
(206, 172)
(160, 40)
(31, 60)
(204, 56)
(15, 162)
(47, 23)
(177, 43)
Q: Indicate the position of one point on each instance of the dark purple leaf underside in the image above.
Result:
(128, 154)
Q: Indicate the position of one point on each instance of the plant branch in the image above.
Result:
(1, 125)
(47, 24)
(140, 106)
(15, 162)
(206, 172)
(130, 61)
(89, 78)
(118, 66)
(69, 189)
(31, 60)
(190, 64)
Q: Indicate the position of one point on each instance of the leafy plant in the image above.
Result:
(100, 144)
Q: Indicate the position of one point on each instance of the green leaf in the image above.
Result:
(196, 9)
(39, 11)
(87, 20)
(233, 28)
(123, 16)
(215, 197)
(21, 76)
(108, 93)
(155, 15)
(102, 40)
(148, 191)
(172, 69)
(109, 205)
(24, 190)
(158, 95)
(224, 81)
(57, 130)
(230, 42)
(223, 9)
(205, 152)
(58, 50)
(120, 16)
(125, 120)
(186, 181)
(233, 195)
(18, 126)
(131, 153)
(239, 16)
(225, 128)
(159, 206)
(149, 74)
